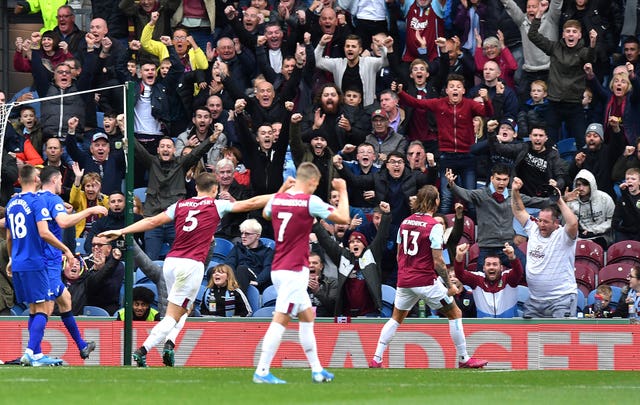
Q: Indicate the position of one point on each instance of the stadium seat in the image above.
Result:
(589, 254)
(221, 249)
(585, 278)
(468, 230)
(141, 193)
(269, 296)
(152, 286)
(614, 274)
(200, 296)
(626, 251)
(25, 312)
(474, 251)
(253, 296)
(89, 310)
(80, 246)
(388, 298)
(268, 242)
(616, 292)
(581, 300)
(264, 312)
(523, 296)
(567, 149)
(13, 312)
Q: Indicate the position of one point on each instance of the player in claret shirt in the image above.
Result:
(196, 220)
(420, 244)
(292, 214)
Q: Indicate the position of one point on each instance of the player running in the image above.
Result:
(420, 244)
(292, 213)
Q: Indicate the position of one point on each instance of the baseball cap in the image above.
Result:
(99, 135)
(511, 122)
(380, 113)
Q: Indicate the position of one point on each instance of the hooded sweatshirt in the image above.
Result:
(594, 215)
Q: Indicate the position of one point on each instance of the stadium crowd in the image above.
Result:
(465, 95)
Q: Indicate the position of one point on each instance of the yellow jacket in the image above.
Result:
(49, 11)
(78, 200)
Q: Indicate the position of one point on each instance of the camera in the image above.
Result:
(550, 192)
(119, 243)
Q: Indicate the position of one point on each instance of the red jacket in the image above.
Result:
(455, 122)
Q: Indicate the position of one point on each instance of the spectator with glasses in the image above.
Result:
(251, 258)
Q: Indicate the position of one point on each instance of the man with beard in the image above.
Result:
(110, 165)
(353, 70)
(359, 276)
(113, 220)
(331, 121)
(142, 310)
(316, 152)
(195, 135)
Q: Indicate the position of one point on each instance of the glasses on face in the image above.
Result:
(248, 233)
(629, 277)
(61, 16)
(63, 72)
(180, 38)
(99, 245)
(395, 162)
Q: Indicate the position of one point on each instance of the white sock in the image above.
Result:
(308, 342)
(173, 335)
(386, 334)
(270, 344)
(457, 335)
(159, 332)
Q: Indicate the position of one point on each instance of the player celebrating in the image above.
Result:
(57, 218)
(196, 220)
(27, 231)
(293, 213)
(420, 243)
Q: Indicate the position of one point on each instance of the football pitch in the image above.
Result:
(156, 385)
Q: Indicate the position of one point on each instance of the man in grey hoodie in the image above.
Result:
(594, 209)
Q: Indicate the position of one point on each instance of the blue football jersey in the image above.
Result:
(55, 206)
(23, 213)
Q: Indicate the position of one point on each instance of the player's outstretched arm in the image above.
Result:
(69, 220)
(260, 201)
(340, 215)
(141, 226)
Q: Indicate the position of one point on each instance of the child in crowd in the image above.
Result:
(535, 110)
(223, 296)
(601, 308)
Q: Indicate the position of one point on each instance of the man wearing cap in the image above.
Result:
(598, 157)
(384, 138)
(100, 159)
(359, 273)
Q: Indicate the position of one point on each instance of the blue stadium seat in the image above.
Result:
(164, 250)
(80, 246)
(567, 149)
(222, 249)
(264, 312)
(141, 193)
(269, 296)
(268, 242)
(388, 298)
(152, 286)
(94, 311)
(581, 300)
(523, 296)
(253, 295)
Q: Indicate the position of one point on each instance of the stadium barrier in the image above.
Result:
(578, 344)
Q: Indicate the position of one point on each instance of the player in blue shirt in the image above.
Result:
(51, 181)
(27, 233)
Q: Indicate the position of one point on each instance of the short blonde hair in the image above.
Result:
(91, 177)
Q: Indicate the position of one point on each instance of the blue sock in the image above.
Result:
(36, 332)
(71, 325)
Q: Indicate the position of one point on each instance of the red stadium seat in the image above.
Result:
(626, 251)
(474, 251)
(590, 254)
(585, 278)
(615, 274)
(468, 230)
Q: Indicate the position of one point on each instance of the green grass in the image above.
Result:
(130, 385)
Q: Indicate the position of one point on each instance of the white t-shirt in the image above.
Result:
(550, 263)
